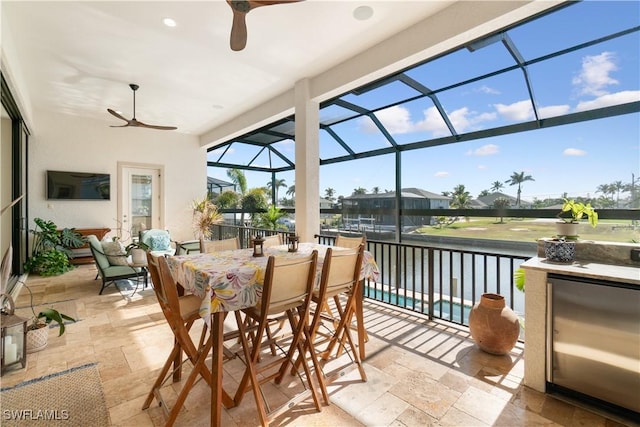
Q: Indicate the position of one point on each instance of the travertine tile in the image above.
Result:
(420, 373)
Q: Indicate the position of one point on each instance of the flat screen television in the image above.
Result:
(78, 186)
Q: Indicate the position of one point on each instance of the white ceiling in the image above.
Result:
(79, 57)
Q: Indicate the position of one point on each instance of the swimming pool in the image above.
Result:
(441, 308)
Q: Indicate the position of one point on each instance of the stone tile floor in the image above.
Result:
(420, 373)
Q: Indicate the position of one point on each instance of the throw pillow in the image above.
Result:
(160, 243)
(115, 253)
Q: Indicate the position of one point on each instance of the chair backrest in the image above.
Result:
(288, 283)
(154, 272)
(350, 242)
(274, 240)
(169, 292)
(340, 271)
(210, 246)
(96, 250)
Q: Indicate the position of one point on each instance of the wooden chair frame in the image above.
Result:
(340, 278)
(181, 313)
(287, 288)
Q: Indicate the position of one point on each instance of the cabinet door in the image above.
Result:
(596, 340)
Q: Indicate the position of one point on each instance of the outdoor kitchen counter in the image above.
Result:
(588, 269)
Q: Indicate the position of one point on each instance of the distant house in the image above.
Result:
(216, 186)
(411, 198)
(489, 199)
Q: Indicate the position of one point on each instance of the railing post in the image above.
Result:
(430, 281)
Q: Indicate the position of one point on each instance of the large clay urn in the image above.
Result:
(494, 326)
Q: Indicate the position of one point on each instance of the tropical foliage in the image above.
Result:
(51, 249)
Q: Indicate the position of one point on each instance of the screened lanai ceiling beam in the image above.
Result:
(434, 98)
(371, 115)
(600, 113)
(515, 54)
(338, 139)
(248, 168)
(218, 147)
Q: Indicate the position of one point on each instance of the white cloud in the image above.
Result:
(518, 111)
(397, 120)
(574, 152)
(441, 174)
(610, 99)
(553, 111)
(485, 150)
(483, 167)
(488, 90)
(432, 122)
(594, 76)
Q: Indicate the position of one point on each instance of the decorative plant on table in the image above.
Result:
(51, 248)
(571, 214)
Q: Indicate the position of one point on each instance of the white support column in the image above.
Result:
(307, 183)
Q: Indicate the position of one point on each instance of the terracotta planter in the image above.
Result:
(494, 326)
(37, 339)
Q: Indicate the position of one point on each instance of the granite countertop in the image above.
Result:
(590, 269)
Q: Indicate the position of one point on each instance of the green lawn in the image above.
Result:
(531, 230)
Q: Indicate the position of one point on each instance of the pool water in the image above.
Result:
(440, 308)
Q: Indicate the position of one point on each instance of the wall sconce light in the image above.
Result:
(292, 242)
(258, 246)
(13, 338)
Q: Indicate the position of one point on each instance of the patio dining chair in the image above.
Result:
(338, 282)
(210, 246)
(181, 313)
(287, 288)
(273, 240)
(350, 242)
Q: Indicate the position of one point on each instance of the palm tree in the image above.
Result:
(329, 193)
(291, 191)
(497, 186)
(517, 178)
(618, 186)
(237, 177)
(501, 203)
(359, 190)
(460, 197)
(375, 190)
(277, 183)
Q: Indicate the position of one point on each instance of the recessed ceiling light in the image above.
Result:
(362, 13)
(169, 22)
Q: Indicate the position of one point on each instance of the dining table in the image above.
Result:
(232, 280)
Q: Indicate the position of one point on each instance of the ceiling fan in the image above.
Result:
(240, 9)
(135, 122)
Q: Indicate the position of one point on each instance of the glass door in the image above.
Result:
(140, 201)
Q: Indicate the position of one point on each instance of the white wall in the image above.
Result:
(70, 143)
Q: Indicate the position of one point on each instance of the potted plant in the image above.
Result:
(563, 247)
(37, 328)
(51, 248)
(205, 214)
(571, 214)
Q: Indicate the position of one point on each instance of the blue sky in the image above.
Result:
(573, 159)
